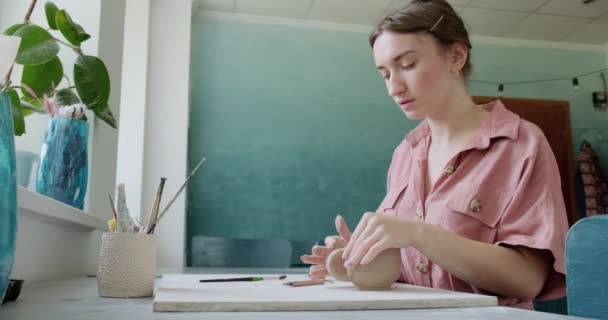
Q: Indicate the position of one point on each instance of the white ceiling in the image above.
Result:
(549, 20)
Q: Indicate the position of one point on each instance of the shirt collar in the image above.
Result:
(499, 123)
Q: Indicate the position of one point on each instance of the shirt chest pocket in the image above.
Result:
(474, 211)
(393, 198)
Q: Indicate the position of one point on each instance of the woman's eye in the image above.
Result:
(409, 66)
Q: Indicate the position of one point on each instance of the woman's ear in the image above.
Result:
(458, 55)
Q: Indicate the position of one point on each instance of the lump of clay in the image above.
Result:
(378, 274)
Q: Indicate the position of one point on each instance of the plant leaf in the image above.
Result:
(66, 97)
(18, 117)
(92, 82)
(13, 96)
(37, 45)
(42, 77)
(107, 116)
(50, 9)
(36, 103)
(81, 33)
(27, 108)
(72, 31)
(12, 29)
(18, 121)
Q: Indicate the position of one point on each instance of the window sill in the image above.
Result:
(34, 204)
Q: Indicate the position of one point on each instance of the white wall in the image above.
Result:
(104, 143)
(167, 120)
(131, 123)
(154, 128)
(47, 249)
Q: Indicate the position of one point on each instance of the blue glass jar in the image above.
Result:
(63, 171)
(8, 193)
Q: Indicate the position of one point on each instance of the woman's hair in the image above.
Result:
(434, 16)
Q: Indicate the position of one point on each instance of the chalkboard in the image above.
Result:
(294, 132)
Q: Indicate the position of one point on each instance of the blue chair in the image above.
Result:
(219, 252)
(586, 265)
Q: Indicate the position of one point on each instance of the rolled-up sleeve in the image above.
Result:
(536, 216)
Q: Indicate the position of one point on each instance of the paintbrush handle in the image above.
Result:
(233, 279)
(155, 205)
(160, 216)
(180, 190)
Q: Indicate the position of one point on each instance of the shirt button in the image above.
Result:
(422, 266)
(449, 170)
(475, 205)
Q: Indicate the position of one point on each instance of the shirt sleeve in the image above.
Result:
(536, 216)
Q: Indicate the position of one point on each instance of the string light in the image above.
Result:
(575, 83)
(571, 78)
(501, 89)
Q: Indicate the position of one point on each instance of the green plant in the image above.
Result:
(43, 70)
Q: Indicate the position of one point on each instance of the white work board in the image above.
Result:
(184, 293)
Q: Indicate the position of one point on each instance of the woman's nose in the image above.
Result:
(395, 86)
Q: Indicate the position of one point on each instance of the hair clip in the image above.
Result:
(436, 23)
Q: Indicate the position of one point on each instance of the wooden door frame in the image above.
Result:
(565, 105)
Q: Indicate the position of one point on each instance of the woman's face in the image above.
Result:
(417, 72)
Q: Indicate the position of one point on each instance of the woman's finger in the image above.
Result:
(335, 242)
(368, 241)
(374, 251)
(321, 251)
(317, 272)
(355, 236)
(330, 241)
(370, 229)
(313, 259)
(342, 228)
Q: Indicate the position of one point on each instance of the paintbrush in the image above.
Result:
(160, 216)
(245, 279)
(154, 211)
(113, 208)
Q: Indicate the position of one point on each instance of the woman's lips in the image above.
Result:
(406, 104)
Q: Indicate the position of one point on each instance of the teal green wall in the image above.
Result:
(297, 126)
(500, 63)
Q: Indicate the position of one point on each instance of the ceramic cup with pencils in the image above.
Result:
(127, 259)
(127, 265)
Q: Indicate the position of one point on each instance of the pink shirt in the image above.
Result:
(504, 188)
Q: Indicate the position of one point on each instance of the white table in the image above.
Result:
(77, 299)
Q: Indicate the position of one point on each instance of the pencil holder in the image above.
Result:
(127, 265)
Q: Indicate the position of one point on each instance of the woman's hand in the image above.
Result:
(375, 233)
(320, 253)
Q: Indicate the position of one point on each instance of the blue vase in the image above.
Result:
(63, 171)
(8, 193)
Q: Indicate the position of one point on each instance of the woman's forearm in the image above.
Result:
(501, 270)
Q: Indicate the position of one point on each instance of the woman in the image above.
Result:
(473, 193)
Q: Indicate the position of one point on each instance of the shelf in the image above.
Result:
(35, 204)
